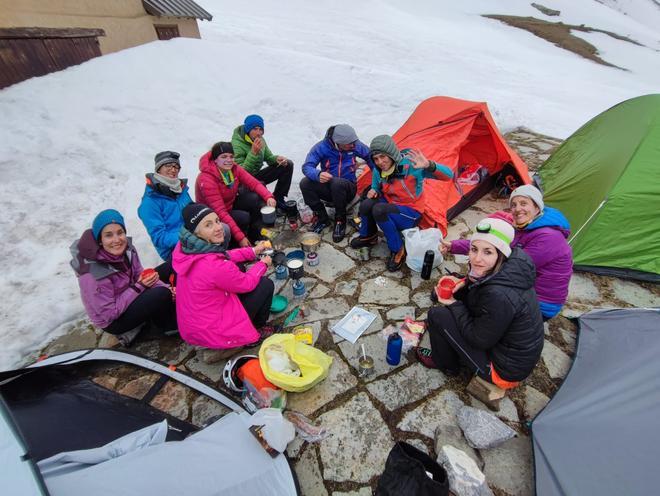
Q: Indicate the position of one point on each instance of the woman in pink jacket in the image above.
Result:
(218, 305)
(235, 195)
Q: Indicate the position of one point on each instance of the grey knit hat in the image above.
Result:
(530, 192)
(166, 157)
(344, 134)
(385, 144)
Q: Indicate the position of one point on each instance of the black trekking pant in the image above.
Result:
(257, 302)
(246, 212)
(280, 173)
(449, 348)
(338, 191)
(165, 272)
(154, 305)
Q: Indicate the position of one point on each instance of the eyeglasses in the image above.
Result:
(172, 165)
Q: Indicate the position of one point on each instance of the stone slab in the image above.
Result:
(346, 288)
(369, 269)
(363, 491)
(422, 299)
(411, 384)
(177, 354)
(319, 291)
(320, 309)
(205, 409)
(507, 410)
(172, 399)
(569, 338)
(360, 441)
(482, 429)
(535, 400)
(582, 288)
(452, 435)
(211, 371)
(634, 294)
(339, 380)
(509, 466)
(400, 313)
(333, 264)
(438, 410)
(137, 388)
(375, 346)
(465, 478)
(309, 474)
(556, 361)
(383, 290)
(81, 337)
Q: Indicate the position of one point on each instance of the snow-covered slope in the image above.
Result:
(77, 141)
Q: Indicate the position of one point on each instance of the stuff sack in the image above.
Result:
(406, 473)
(418, 242)
(312, 363)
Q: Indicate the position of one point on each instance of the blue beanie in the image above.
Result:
(104, 218)
(252, 121)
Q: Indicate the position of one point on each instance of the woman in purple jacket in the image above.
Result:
(542, 233)
(118, 295)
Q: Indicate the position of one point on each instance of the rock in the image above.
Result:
(406, 386)
(360, 442)
(380, 250)
(395, 275)
(178, 354)
(453, 435)
(374, 345)
(573, 311)
(383, 290)
(419, 444)
(534, 402)
(422, 299)
(375, 326)
(465, 478)
(172, 399)
(556, 361)
(333, 264)
(346, 288)
(526, 149)
(400, 313)
(363, 491)
(319, 291)
(149, 349)
(294, 447)
(78, 338)
(205, 409)
(137, 388)
(509, 467)
(309, 474)
(107, 381)
(108, 341)
(569, 338)
(482, 429)
(439, 410)
(634, 294)
(546, 328)
(549, 12)
(582, 288)
(369, 269)
(212, 372)
(456, 229)
(325, 308)
(507, 410)
(339, 380)
(470, 218)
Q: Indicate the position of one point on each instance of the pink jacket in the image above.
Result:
(212, 191)
(209, 312)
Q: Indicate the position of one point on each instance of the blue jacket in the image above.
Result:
(160, 212)
(332, 160)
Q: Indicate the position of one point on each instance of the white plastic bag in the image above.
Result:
(418, 242)
(277, 431)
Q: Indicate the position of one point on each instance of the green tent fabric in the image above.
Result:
(606, 179)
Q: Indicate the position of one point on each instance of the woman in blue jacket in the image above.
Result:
(160, 210)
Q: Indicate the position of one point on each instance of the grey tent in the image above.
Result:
(600, 433)
(62, 434)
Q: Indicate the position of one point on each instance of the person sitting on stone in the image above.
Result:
(335, 180)
(232, 193)
(492, 323)
(164, 197)
(396, 198)
(251, 151)
(118, 294)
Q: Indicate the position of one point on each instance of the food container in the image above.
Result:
(295, 266)
(365, 366)
(310, 241)
(268, 215)
(303, 334)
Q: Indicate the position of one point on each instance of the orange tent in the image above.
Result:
(456, 133)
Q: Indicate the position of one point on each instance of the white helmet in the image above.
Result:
(229, 373)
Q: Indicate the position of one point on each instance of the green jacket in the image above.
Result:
(243, 153)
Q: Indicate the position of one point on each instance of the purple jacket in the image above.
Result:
(544, 240)
(108, 284)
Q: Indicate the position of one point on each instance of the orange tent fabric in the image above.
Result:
(455, 133)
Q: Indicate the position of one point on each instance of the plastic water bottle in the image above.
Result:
(394, 345)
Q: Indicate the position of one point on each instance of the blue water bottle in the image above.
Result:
(394, 344)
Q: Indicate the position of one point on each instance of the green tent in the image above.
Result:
(606, 179)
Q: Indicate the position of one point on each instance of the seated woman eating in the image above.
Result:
(396, 198)
(232, 193)
(492, 324)
(118, 295)
(218, 305)
(542, 233)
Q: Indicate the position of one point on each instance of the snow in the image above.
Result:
(80, 140)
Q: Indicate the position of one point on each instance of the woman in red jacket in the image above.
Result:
(217, 186)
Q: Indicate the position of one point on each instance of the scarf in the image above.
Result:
(194, 245)
(227, 177)
(166, 184)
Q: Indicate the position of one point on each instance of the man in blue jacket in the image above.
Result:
(335, 180)
(160, 210)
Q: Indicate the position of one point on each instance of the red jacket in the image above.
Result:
(211, 190)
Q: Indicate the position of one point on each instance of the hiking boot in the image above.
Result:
(126, 339)
(396, 259)
(280, 208)
(365, 242)
(489, 394)
(339, 231)
(425, 358)
(319, 225)
(267, 331)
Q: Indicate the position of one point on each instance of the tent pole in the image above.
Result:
(587, 221)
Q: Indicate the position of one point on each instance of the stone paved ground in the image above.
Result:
(406, 402)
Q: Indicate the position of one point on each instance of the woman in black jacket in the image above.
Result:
(492, 324)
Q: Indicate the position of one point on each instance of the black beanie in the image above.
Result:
(221, 147)
(193, 213)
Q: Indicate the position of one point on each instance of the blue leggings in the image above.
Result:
(389, 217)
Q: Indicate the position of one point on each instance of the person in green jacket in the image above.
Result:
(251, 151)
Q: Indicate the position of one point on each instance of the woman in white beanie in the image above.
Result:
(542, 232)
(492, 324)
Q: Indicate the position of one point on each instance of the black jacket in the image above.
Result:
(500, 314)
